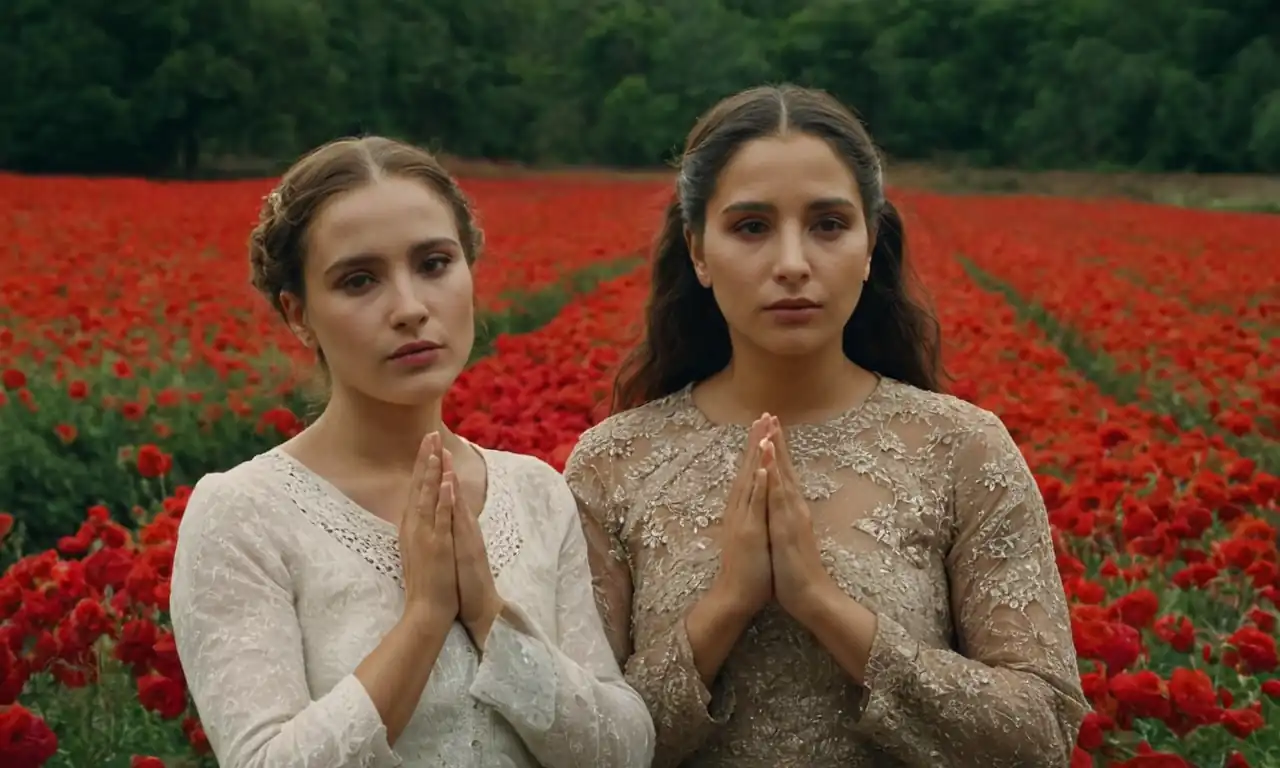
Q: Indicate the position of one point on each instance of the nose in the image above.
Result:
(408, 310)
(791, 265)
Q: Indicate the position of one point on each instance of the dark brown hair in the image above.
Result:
(277, 246)
(686, 338)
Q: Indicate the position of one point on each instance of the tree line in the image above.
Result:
(186, 86)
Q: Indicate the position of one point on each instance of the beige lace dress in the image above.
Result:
(926, 513)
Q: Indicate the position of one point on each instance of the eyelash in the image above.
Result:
(840, 225)
(347, 283)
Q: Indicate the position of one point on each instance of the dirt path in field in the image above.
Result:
(1257, 192)
(1207, 190)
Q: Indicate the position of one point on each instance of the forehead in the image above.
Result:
(779, 168)
(384, 216)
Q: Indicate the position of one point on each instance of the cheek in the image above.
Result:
(733, 286)
(844, 261)
(455, 300)
(735, 265)
(463, 291)
(333, 318)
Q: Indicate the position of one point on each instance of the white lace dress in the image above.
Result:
(282, 586)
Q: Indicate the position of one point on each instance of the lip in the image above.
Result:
(792, 305)
(415, 349)
(796, 311)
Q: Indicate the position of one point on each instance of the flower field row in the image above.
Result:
(102, 270)
(1166, 539)
(126, 317)
(1166, 536)
(1186, 312)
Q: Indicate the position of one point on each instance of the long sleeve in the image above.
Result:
(566, 697)
(658, 660)
(240, 645)
(1012, 695)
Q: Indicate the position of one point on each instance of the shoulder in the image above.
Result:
(537, 489)
(519, 469)
(954, 420)
(229, 504)
(528, 478)
(979, 453)
(230, 526)
(618, 434)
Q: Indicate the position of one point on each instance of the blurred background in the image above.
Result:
(202, 88)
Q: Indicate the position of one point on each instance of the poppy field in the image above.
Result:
(1132, 350)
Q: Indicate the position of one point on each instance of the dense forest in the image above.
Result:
(179, 86)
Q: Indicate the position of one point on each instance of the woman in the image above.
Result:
(378, 591)
(805, 553)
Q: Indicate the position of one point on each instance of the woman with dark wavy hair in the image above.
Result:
(805, 553)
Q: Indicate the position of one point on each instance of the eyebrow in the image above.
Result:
(752, 206)
(369, 259)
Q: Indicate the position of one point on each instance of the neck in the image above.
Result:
(795, 389)
(378, 434)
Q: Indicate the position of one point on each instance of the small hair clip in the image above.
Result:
(274, 200)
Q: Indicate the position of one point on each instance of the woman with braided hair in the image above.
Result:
(378, 591)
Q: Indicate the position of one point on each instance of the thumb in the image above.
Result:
(758, 500)
(777, 496)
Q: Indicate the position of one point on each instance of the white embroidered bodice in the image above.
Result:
(282, 585)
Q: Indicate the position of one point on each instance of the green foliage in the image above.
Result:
(181, 86)
(102, 724)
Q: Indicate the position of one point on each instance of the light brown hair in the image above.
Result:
(278, 244)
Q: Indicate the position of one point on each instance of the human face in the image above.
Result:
(786, 248)
(388, 292)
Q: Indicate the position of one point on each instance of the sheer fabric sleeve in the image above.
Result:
(561, 687)
(240, 646)
(657, 655)
(591, 486)
(1012, 695)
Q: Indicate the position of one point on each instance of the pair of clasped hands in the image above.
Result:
(446, 567)
(769, 550)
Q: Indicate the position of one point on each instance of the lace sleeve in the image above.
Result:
(659, 660)
(610, 569)
(240, 646)
(566, 697)
(1012, 695)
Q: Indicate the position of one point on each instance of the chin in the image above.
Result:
(425, 388)
(796, 342)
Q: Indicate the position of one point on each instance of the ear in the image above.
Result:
(295, 314)
(696, 256)
(871, 252)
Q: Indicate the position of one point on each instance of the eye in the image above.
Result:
(436, 263)
(831, 227)
(356, 281)
(751, 227)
